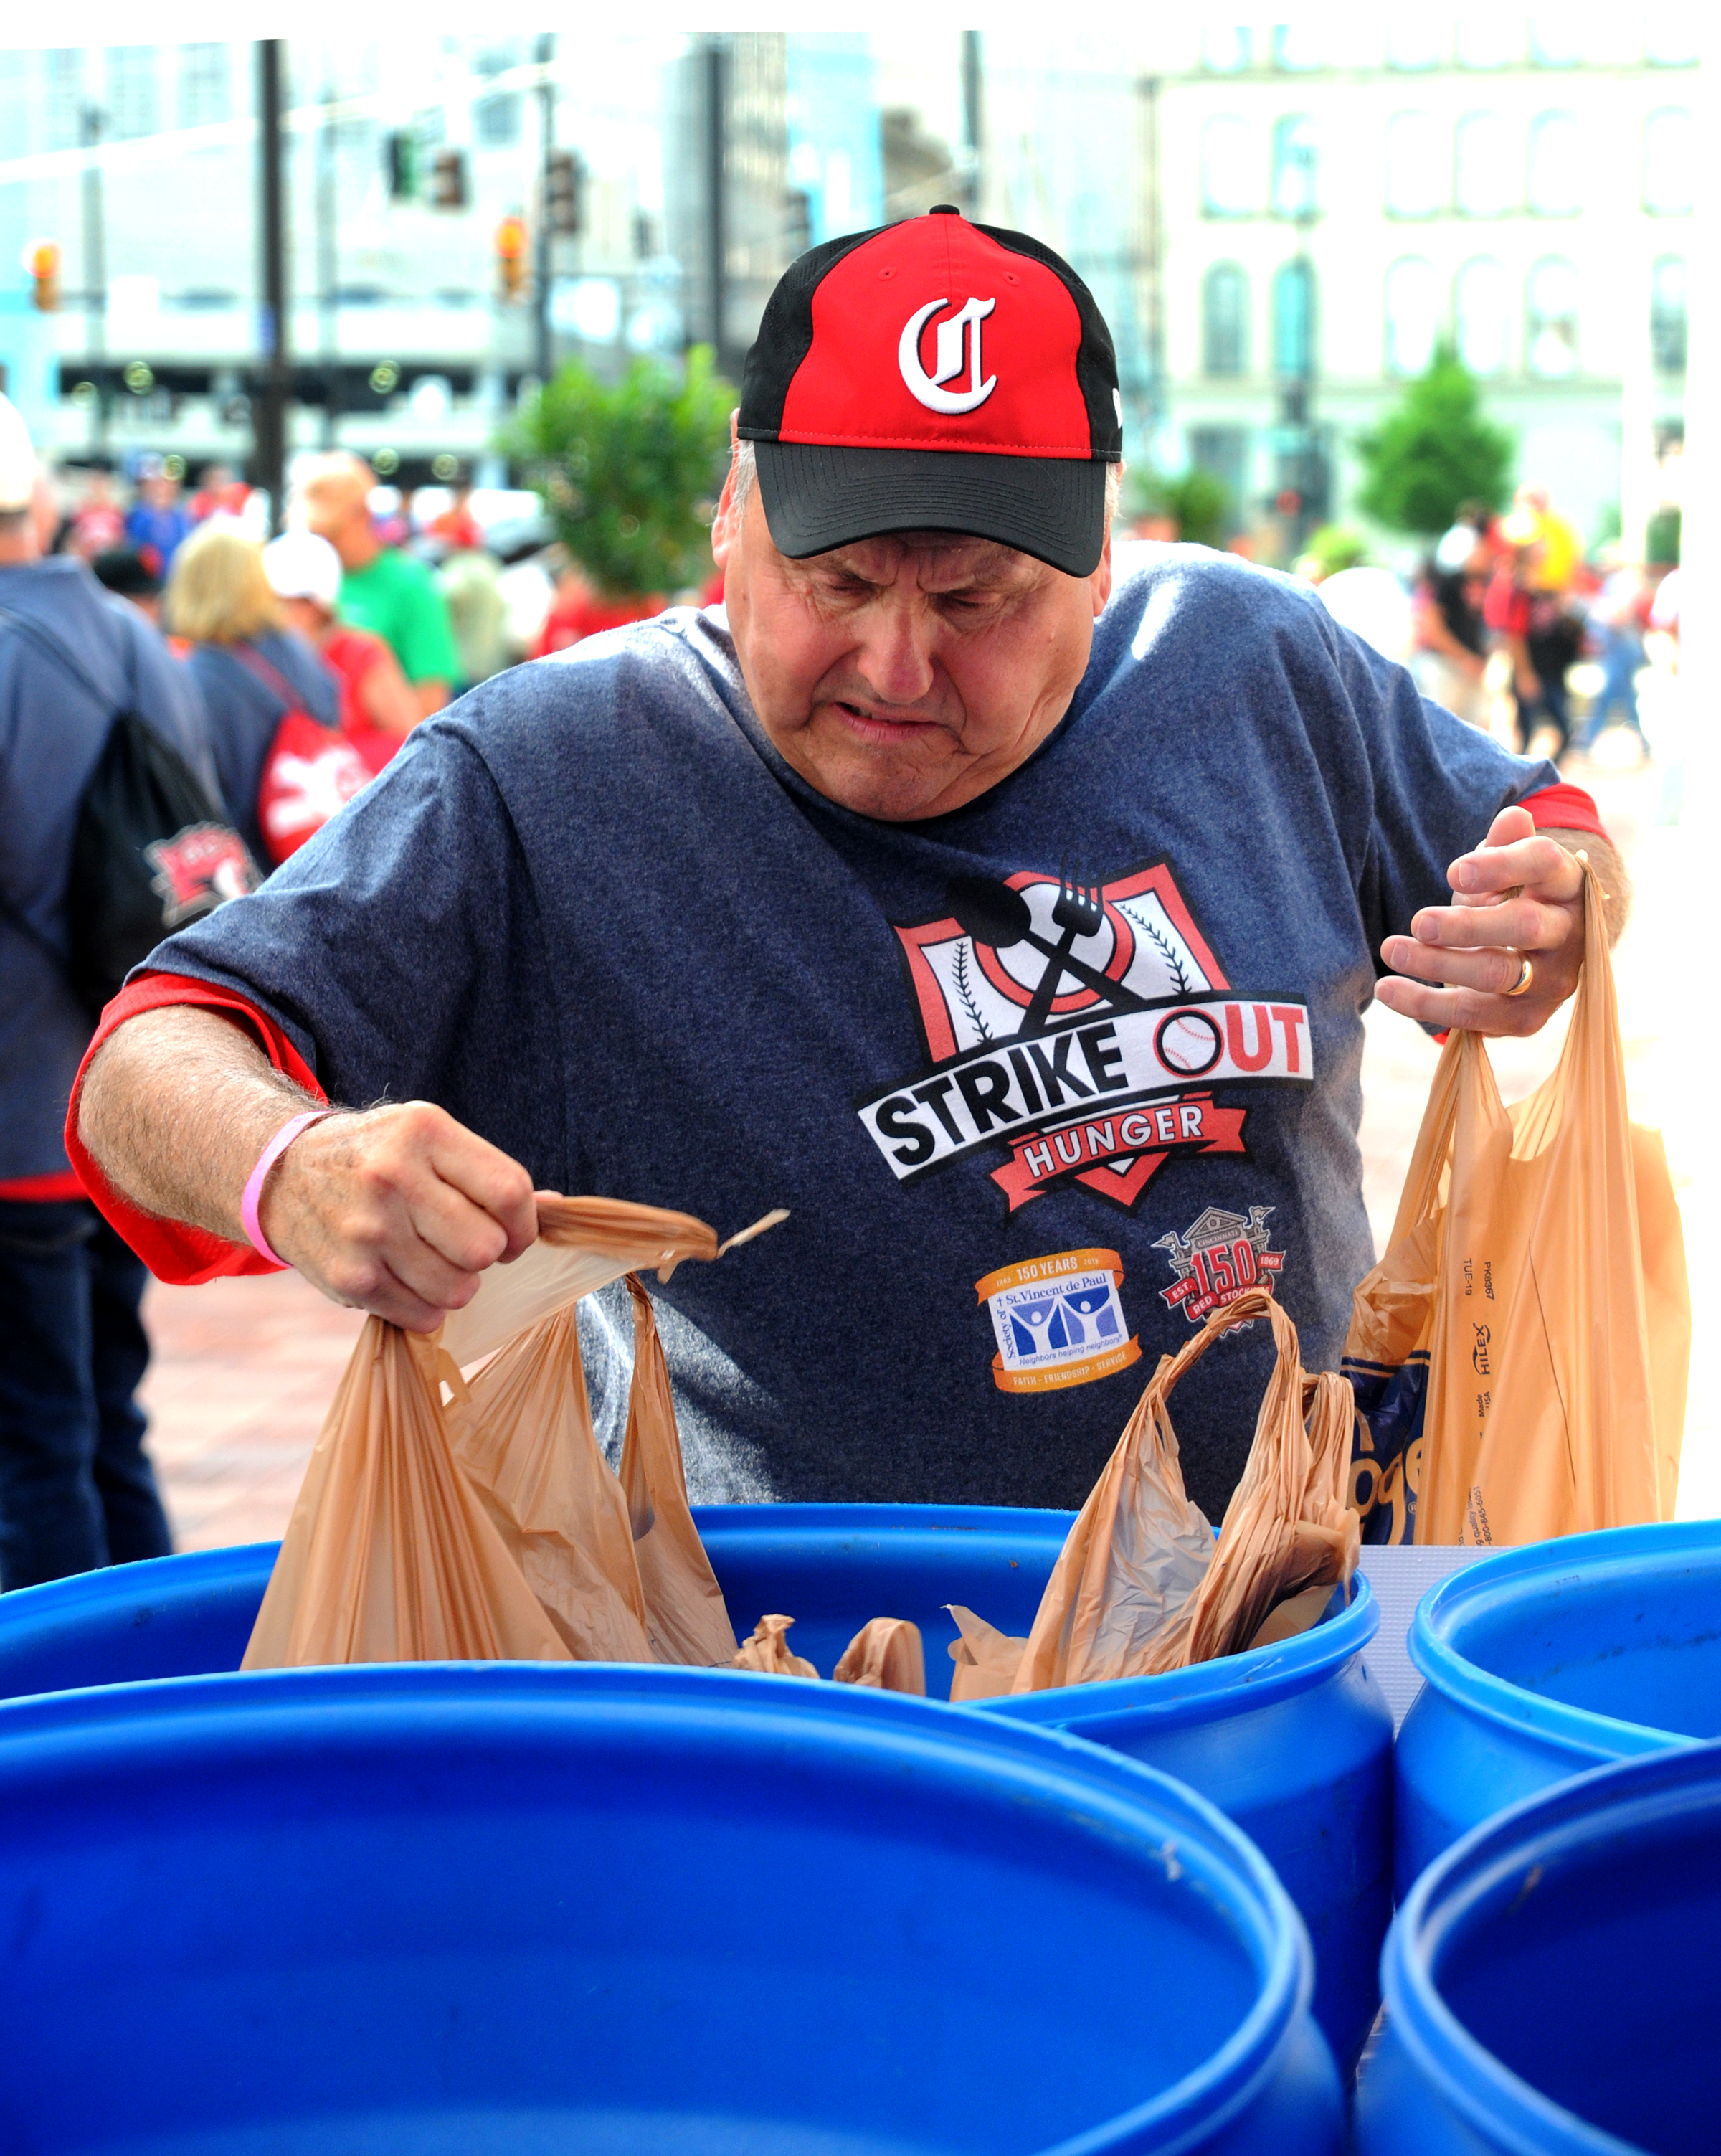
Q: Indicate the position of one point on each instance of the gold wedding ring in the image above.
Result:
(1521, 987)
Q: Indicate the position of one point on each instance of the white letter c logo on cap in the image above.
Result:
(960, 328)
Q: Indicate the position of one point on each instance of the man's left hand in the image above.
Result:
(1519, 897)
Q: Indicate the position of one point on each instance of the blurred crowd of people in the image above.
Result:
(1510, 623)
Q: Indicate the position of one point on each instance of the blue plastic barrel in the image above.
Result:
(1293, 1742)
(1550, 1981)
(1542, 1662)
(449, 1908)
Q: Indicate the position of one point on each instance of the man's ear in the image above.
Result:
(1100, 582)
(726, 524)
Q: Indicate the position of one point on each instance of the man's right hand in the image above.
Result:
(398, 1210)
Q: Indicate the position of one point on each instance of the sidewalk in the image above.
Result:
(245, 1369)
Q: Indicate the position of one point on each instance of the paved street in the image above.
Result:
(245, 1369)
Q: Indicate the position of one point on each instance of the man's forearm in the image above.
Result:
(175, 1108)
(1609, 873)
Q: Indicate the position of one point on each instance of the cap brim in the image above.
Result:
(816, 497)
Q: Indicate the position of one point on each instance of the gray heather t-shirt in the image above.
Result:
(592, 911)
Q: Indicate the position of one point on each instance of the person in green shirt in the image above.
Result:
(382, 589)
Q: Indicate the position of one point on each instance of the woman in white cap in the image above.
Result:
(378, 709)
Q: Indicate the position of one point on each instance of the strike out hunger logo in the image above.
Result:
(1081, 1029)
(1058, 1321)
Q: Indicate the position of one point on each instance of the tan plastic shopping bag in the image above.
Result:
(1140, 1586)
(486, 1523)
(686, 1618)
(987, 1659)
(390, 1555)
(1519, 1355)
(886, 1655)
(1137, 1552)
(766, 1651)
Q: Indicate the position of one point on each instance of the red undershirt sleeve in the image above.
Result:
(1564, 809)
(173, 1249)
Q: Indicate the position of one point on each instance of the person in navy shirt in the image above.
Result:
(1015, 935)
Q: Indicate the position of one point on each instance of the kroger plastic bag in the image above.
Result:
(487, 1524)
(1519, 1355)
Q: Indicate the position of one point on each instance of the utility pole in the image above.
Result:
(329, 266)
(91, 120)
(1153, 265)
(971, 91)
(1301, 476)
(544, 358)
(716, 159)
(268, 405)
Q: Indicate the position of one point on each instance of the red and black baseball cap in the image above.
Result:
(935, 375)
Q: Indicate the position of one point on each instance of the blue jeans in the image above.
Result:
(1622, 656)
(76, 1487)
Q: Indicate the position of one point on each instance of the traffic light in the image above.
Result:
(564, 192)
(511, 257)
(448, 182)
(42, 267)
(401, 150)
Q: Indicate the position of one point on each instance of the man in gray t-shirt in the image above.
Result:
(1017, 942)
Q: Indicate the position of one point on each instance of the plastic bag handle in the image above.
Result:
(1255, 1302)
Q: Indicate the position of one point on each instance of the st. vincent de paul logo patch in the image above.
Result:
(1058, 1321)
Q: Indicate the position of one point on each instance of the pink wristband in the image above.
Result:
(259, 1175)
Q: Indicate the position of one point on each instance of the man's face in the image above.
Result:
(341, 515)
(903, 676)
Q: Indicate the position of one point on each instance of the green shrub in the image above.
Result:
(629, 473)
(1435, 452)
(1197, 501)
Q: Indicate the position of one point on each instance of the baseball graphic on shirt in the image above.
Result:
(1189, 1042)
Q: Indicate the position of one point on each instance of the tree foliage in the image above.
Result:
(629, 473)
(1197, 501)
(1435, 452)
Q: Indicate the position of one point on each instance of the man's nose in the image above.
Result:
(895, 654)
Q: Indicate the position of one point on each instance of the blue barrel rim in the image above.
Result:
(1514, 2114)
(1121, 1799)
(1253, 1678)
(1509, 1577)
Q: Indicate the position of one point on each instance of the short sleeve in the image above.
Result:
(427, 648)
(402, 953)
(1436, 783)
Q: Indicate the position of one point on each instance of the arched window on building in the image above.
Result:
(1550, 295)
(1669, 151)
(1484, 316)
(1230, 178)
(1224, 320)
(1490, 38)
(1556, 165)
(1225, 48)
(1488, 179)
(1412, 315)
(1296, 190)
(1293, 320)
(1416, 38)
(1418, 168)
(1667, 315)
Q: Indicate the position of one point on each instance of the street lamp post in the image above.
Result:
(91, 123)
(269, 405)
(544, 357)
(1302, 479)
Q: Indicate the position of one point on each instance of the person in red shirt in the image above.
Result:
(378, 709)
(456, 528)
(578, 611)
